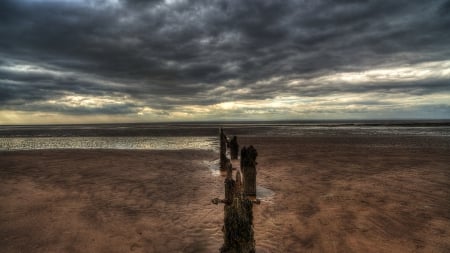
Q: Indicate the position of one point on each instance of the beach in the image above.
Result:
(329, 193)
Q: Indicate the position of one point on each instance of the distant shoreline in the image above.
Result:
(344, 122)
(211, 128)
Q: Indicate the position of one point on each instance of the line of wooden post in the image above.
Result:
(238, 210)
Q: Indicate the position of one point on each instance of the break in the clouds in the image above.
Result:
(73, 61)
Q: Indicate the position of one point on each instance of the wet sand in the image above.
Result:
(332, 194)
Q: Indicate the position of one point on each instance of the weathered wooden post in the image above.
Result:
(229, 187)
(223, 150)
(238, 235)
(248, 168)
(238, 187)
(229, 184)
(234, 148)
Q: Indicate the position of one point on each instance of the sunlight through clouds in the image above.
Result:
(88, 101)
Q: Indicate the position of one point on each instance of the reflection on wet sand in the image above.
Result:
(129, 142)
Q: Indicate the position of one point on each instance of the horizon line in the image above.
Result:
(348, 121)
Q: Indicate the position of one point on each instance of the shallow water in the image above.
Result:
(214, 167)
(296, 130)
(141, 142)
(200, 136)
(264, 194)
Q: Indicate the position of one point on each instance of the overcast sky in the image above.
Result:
(88, 61)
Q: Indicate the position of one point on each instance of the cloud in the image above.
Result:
(165, 55)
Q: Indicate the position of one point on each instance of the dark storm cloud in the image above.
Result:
(80, 110)
(171, 53)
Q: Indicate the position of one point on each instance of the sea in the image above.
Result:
(199, 135)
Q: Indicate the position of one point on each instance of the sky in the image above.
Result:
(106, 61)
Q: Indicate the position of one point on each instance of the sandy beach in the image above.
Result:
(332, 194)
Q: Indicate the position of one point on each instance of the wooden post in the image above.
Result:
(229, 186)
(223, 150)
(238, 187)
(238, 235)
(248, 168)
(234, 148)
